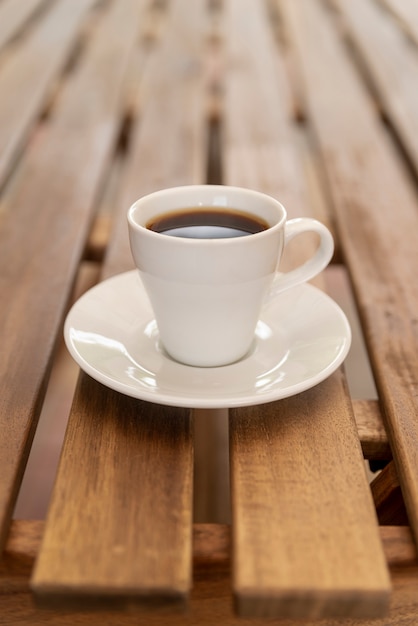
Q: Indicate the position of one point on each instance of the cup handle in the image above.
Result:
(312, 266)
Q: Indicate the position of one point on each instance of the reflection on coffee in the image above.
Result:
(207, 223)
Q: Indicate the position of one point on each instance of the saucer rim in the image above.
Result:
(198, 402)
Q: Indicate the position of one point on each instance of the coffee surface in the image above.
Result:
(207, 223)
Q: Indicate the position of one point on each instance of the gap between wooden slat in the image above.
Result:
(357, 364)
(40, 471)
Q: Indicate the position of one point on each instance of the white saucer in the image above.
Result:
(302, 337)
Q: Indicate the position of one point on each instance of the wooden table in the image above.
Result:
(315, 103)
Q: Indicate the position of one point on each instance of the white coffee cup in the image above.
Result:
(207, 294)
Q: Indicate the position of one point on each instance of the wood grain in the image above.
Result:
(125, 478)
(142, 553)
(284, 562)
(168, 146)
(40, 250)
(387, 496)
(371, 430)
(259, 142)
(304, 539)
(210, 600)
(391, 63)
(377, 216)
(260, 148)
(312, 547)
(28, 75)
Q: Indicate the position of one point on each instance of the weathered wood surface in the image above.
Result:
(42, 244)
(391, 65)
(290, 460)
(210, 600)
(377, 216)
(149, 513)
(387, 496)
(311, 101)
(297, 518)
(28, 76)
(371, 431)
(124, 482)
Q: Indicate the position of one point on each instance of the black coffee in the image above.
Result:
(207, 223)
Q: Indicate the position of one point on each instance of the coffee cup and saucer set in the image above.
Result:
(207, 320)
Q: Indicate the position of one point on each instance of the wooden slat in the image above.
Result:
(105, 531)
(13, 16)
(210, 601)
(168, 146)
(377, 217)
(142, 553)
(42, 233)
(28, 75)
(303, 511)
(387, 496)
(371, 430)
(99, 415)
(392, 66)
(289, 457)
(259, 149)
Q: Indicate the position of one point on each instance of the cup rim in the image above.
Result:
(183, 241)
